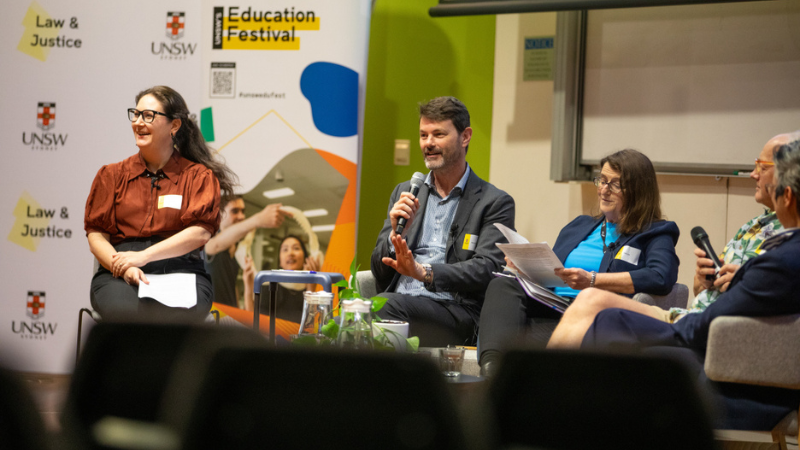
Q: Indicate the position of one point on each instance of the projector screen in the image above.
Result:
(697, 88)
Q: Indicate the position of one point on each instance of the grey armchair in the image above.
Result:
(762, 351)
(367, 282)
(677, 298)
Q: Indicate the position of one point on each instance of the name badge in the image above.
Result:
(470, 242)
(629, 254)
(170, 201)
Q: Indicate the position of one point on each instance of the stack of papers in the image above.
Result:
(536, 264)
(540, 294)
(536, 261)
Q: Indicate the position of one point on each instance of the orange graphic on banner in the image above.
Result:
(283, 328)
(342, 246)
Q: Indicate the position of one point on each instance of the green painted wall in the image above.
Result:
(414, 58)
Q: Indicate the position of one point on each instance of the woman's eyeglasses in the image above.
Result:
(148, 115)
(615, 188)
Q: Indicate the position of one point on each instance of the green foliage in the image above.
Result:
(350, 290)
(330, 329)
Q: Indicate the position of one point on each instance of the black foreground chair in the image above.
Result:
(124, 373)
(307, 399)
(21, 426)
(571, 400)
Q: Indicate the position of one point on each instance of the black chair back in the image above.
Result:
(572, 400)
(127, 368)
(305, 399)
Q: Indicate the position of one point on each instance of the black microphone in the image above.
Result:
(700, 239)
(416, 182)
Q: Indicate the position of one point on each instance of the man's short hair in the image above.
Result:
(444, 108)
(225, 199)
(787, 169)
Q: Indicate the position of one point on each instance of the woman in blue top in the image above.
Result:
(627, 248)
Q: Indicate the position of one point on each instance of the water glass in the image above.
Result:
(451, 359)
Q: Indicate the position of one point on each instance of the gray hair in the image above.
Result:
(787, 169)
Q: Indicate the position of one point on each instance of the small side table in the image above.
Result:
(326, 279)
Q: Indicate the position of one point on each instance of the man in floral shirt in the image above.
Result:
(746, 243)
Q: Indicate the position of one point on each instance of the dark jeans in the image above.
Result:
(508, 314)
(437, 323)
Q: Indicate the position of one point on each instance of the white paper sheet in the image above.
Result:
(512, 236)
(536, 261)
(177, 290)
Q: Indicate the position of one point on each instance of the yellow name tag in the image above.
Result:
(470, 242)
(170, 201)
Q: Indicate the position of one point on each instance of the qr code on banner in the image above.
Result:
(223, 80)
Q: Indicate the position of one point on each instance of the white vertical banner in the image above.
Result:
(281, 101)
(70, 70)
(276, 88)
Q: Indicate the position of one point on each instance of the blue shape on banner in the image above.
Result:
(332, 91)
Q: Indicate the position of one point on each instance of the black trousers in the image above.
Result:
(115, 300)
(437, 323)
(508, 314)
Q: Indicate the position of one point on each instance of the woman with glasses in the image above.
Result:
(710, 283)
(627, 248)
(153, 212)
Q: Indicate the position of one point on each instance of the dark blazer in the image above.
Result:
(466, 273)
(657, 269)
(768, 285)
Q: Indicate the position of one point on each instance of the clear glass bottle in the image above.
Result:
(316, 311)
(355, 328)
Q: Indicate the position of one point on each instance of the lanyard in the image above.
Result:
(603, 235)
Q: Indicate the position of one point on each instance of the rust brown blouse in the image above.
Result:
(127, 201)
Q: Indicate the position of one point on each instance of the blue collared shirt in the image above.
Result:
(431, 248)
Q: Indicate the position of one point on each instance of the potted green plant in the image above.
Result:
(384, 338)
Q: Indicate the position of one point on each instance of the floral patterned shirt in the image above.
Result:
(745, 244)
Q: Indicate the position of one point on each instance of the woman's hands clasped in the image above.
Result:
(134, 275)
(126, 265)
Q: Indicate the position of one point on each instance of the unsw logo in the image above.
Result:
(174, 50)
(36, 329)
(45, 121)
(35, 305)
(175, 24)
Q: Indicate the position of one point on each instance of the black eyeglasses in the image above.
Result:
(148, 115)
(615, 188)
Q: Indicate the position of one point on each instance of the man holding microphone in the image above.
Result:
(434, 267)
